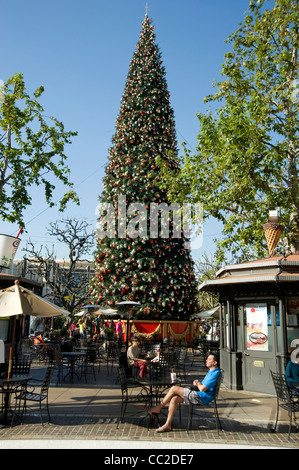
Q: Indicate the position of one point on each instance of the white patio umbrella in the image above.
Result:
(211, 313)
(80, 314)
(84, 311)
(17, 300)
(106, 310)
(109, 312)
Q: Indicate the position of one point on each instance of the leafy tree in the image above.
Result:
(67, 279)
(206, 268)
(28, 148)
(246, 161)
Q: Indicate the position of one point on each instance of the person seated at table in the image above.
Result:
(157, 357)
(292, 372)
(203, 393)
(134, 359)
(38, 339)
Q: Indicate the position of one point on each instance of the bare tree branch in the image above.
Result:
(68, 281)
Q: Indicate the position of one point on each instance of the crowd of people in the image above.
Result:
(95, 328)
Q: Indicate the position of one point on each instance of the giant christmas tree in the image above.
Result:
(133, 262)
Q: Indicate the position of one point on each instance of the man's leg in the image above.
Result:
(173, 392)
(173, 404)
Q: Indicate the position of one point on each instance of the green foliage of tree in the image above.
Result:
(246, 160)
(206, 268)
(31, 150)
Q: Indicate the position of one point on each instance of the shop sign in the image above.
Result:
(257, 327)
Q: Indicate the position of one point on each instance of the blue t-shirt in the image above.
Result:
(292, 372)
(210, 382)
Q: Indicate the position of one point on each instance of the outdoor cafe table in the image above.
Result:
(43, 350)
(8, 386)
(72, 358)
(155, 386)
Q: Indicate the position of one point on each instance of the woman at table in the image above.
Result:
(134, 360)
(157, 358)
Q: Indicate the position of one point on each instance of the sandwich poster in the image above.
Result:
(257, 327)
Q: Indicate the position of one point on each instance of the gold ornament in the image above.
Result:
(147, 335)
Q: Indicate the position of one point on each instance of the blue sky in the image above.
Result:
(80, 52)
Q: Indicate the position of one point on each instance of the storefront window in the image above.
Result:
(292, 320)
(222, 325)
(239, 323)
(4, 325)
(278, 330)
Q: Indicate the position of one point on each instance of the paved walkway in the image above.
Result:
(85, 416)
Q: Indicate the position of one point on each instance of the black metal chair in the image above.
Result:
(151, 348)
(286, 398)
(21, 368)
(30, 394)
(112, 354)
(100, 355)
(131, 372)
(194, 349)
(25, 350)
(212, 403)
(129, 398)
(203, 349)
(167, 357)
(181, 363)
(160, 369)
(88, 363)
(60, 365)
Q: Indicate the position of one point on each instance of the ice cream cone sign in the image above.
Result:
(273, 231)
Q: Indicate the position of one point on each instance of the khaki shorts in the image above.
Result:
(191, 396)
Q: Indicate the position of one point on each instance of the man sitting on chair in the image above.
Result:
(204, 394)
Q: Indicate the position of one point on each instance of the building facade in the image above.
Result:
(259, 319)
(27, 273)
